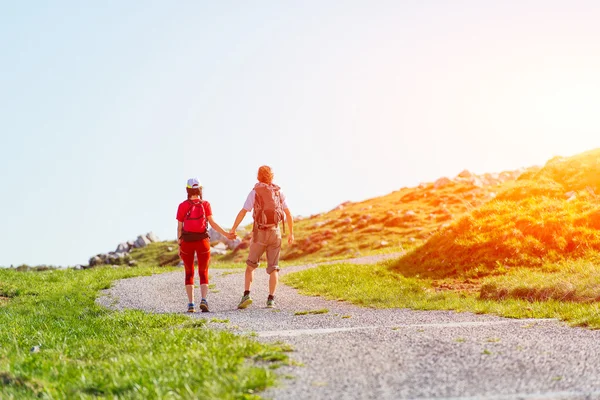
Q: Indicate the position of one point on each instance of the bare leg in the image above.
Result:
(273, 279)
(204, 290)
(249, 277)
(190, 293)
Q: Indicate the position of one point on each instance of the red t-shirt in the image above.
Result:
(184, 207)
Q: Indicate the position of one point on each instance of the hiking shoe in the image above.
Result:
(270, 303)
(191, 307)
(204, 305)
(245, 302)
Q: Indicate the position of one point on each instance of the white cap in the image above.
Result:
(193, 183)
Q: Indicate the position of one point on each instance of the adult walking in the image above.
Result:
(270, 208)
(193, 217)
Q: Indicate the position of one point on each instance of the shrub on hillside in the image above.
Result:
(528, 233)
(523, 189)
(547, 215)
(574, 281)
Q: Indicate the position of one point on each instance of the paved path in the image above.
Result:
(361, 353)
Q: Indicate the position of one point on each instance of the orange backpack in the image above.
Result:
(268, 208)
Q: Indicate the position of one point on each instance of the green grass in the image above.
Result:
(312, 312)
(87, 351)
(219, 320)
(380, 286)
(574, 281)
(159, 253)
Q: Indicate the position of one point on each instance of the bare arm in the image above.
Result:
(290, 221)
(217, 228)
(238, 220)
(179, 231)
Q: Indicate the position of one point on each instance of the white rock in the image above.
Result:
(465, 174)
(442, 182)
(214, 235)
(122, 248)
(220, 246)
(217, 237)
(217, 252)
(232, 244)
(95, 261)
(152, 237)
(142, 241)
(476, 182)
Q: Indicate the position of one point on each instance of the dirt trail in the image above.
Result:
(355, 352)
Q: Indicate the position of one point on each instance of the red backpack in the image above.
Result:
(195, 226)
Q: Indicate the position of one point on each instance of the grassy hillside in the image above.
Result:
(570, 291)
(56, 342)
(159, 253)
(533, 251)
(398, 221)
(544, 217)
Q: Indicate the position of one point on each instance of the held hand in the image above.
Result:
(230, 236)
(290, 238)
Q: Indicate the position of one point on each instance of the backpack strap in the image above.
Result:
(257, 211)
(282, 212)
(192, 204)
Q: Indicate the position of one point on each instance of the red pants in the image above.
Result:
(186, 252)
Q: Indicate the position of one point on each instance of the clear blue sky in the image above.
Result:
(106, 108)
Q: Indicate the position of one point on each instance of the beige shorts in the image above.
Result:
(269, 241)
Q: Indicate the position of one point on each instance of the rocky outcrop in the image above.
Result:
(219, 249)
(121, 255)
(442, 182)
(216, 237)
(220, 245)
